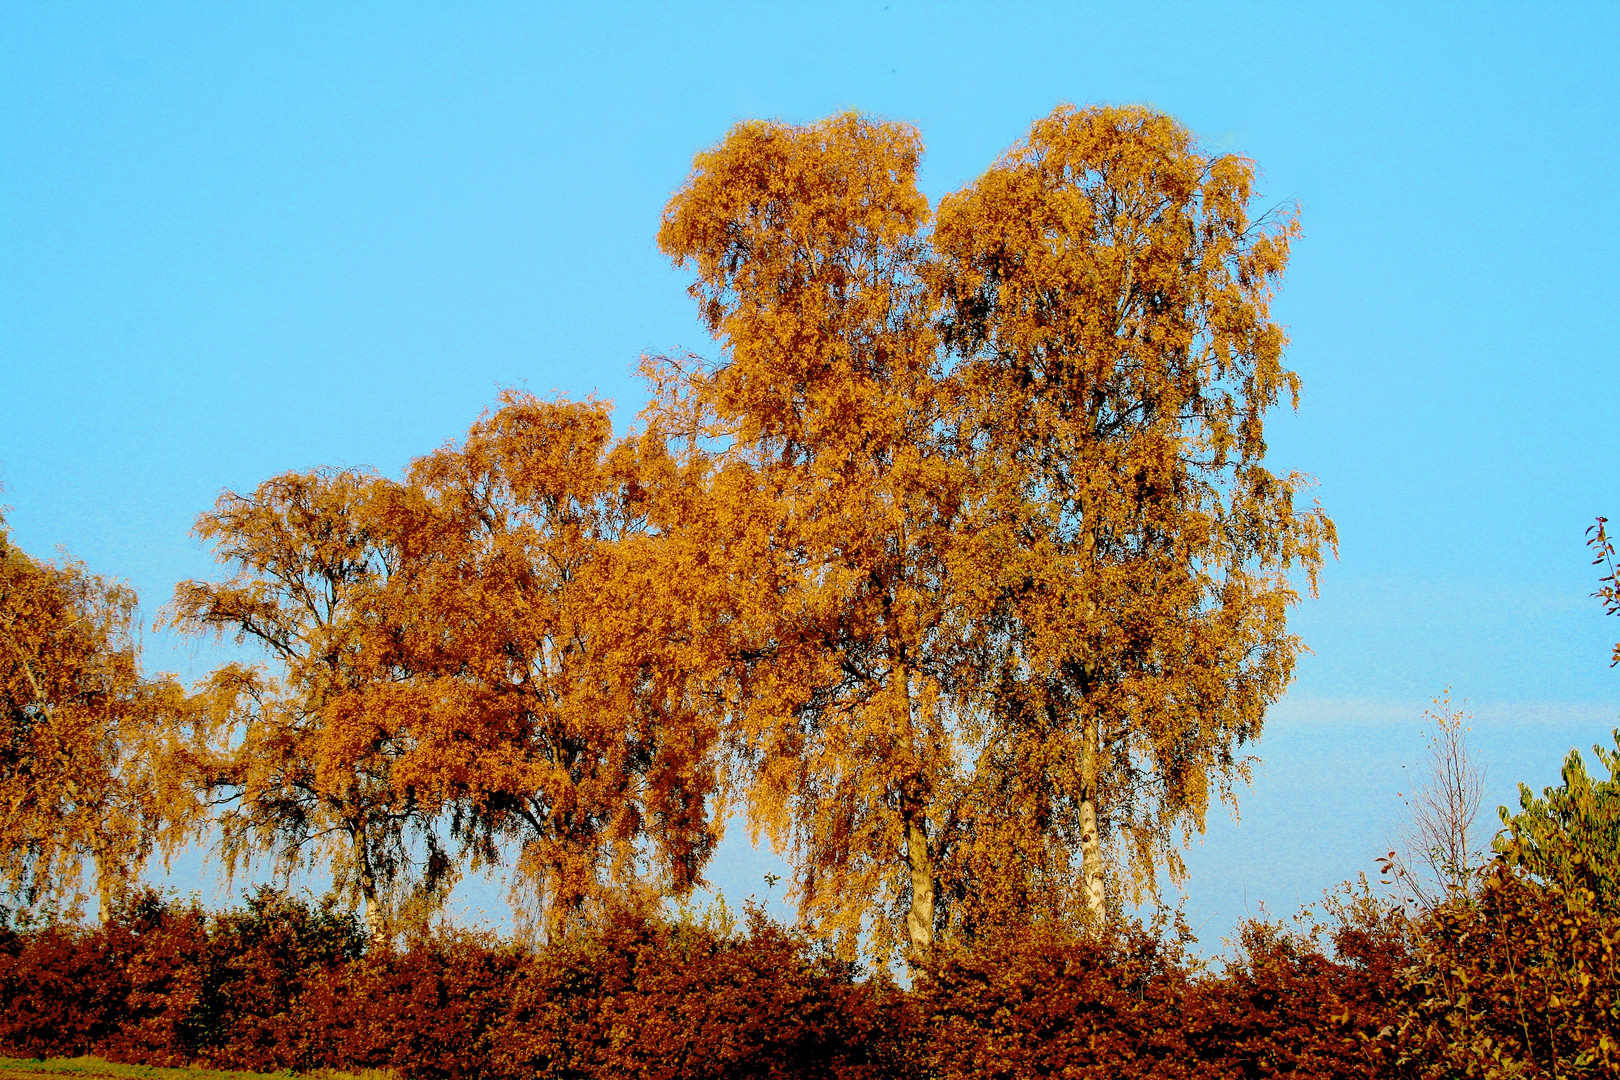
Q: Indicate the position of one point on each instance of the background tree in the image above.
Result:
(1109, 293)
(92, 754)
(544, 626)
(835, 497)
(312, 743)
(1519, 977)
(1441, 854)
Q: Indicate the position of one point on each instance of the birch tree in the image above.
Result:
(1109, 295)
(834, 501)
(93, 755)
(1015, 569)
(311, 734)
(545, 628)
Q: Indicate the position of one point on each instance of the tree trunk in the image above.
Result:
(914, 820)
(920, 919)
(1090, 837)
(372, 913)
(104, 884)
(1091, 865)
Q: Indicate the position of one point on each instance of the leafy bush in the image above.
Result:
(162, 983)
(422, 1011)
(258, 965)
(1287, 1007)
(642, 998)
(1126, 1004)
(1042, 1003)
(282, 984)
(60, 985)
(1523, 980)
(156, 1013)
(1520, 981)
(1570, 836)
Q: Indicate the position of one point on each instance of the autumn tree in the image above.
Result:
(1109, 293)
(835, 498)
(1020, 571)
(548, 633)
(309, 740)
(963, 559)
(92, 754)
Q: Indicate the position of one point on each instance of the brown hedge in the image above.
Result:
(1520, 981)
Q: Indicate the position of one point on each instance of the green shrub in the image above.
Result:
(1570, 837)
(1523, 980)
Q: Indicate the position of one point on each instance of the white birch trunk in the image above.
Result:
(1091, 865)
(920, 919)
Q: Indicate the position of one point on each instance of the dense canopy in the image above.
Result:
(960, 566)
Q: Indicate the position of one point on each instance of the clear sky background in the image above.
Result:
(238, 239)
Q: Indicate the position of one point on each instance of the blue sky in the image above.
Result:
(242, 239)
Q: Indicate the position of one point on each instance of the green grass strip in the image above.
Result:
(94, 1066)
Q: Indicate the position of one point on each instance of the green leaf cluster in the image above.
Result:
(1570, 835)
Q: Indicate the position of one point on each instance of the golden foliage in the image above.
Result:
(545, 628)
(836, 501)
(488, 652)
(302, 759)
(91, 753)
(1108, 296)
(962, 565)
(1016, 569)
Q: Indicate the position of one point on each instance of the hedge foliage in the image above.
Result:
(1519, 981)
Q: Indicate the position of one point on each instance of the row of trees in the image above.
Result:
(962, 570)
